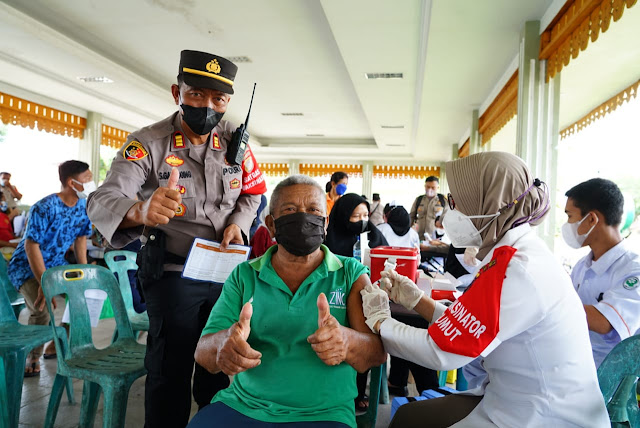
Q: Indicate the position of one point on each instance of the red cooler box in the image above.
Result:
(406, 261)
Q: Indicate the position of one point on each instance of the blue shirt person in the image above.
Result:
(55, 223)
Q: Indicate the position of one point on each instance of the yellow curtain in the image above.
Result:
(578, 22)
(275, 169)
(319, 170)
(113, 137)
(463, 151)
(602, 110)
(17, 111)
(503, 108)
(405, 171)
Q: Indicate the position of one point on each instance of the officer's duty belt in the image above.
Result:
(170, 258)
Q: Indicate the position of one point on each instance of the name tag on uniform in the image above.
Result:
(207, 262)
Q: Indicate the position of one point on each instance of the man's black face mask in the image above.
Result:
(300, 233)
(201, 120)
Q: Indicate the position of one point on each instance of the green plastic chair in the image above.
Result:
(111, 370)
(121, 262)
(17, 301)
(16, 340)
(618, 375)
(378, 393)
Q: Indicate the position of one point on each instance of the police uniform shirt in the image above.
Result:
(209, 186)
(612, 285)
(425, 215)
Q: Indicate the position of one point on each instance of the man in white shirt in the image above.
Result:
(608, 278)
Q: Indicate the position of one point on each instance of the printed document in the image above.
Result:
(207, 262)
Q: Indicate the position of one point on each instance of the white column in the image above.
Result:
(547, 153)
(528, 93)
(474, 137)
(89, 148)
(367, 179)
(294, 167)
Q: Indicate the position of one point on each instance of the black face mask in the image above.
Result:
(201, 120)
(300, 233)
(357, 227)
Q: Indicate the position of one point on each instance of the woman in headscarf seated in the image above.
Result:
(289, 325)
(520, 315)
(397, 227)
(349, 218)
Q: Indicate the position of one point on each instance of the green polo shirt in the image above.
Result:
(291, 384)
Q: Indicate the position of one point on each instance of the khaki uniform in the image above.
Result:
(425, 214)
(177, 307)
(210, 188)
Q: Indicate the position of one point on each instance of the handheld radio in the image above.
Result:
(240, 138)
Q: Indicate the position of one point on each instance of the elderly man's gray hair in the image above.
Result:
(292, 181)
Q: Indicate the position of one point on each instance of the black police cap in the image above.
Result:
(205, 70)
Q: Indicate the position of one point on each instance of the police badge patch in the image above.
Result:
(631, 283)
(135, 151)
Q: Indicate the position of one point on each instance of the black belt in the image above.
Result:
(170, 258)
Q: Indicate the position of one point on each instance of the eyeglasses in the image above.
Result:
(452, 203)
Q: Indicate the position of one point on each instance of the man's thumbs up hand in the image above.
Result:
(323, 310)
(244, 323)
(236, 355)
(330, 341)
(162, 205)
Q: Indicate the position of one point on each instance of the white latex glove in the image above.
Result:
(402, 291)
(470, 256)
(375, 305)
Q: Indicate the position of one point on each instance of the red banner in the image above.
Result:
(472, 322)
(252, 178)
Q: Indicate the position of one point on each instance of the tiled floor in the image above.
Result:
(36, 390)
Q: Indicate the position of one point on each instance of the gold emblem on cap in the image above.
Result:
(213, 66)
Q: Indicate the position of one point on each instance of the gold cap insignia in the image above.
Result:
(213, 66)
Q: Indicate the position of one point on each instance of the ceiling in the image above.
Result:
(307, 57)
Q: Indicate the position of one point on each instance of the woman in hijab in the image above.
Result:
(397, 227)
(348, 219)
(520, 315)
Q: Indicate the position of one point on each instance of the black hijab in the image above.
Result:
(399, 220)
(339, 239)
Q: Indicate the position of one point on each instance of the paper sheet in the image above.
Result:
(206, 262)
(95, 299)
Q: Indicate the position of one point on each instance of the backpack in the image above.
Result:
(441, 197)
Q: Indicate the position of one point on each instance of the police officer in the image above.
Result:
(171, 181)
(608, 278)
(427, 208)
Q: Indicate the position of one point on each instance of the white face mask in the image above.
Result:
(430, 193)
(461, 231)
(89, 188)
(572, 237)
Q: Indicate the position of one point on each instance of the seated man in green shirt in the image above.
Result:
(289, 325)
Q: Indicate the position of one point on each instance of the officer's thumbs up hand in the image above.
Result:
(162, 205)
(236, 355)
(331, 340)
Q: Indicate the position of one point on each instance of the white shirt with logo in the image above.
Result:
(612, 285)
(539, 366)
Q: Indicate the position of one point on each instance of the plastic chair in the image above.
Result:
(17, 301)
(111, 370)
(378, 392)
(120, 262)
(618, 375)
(16, 340)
